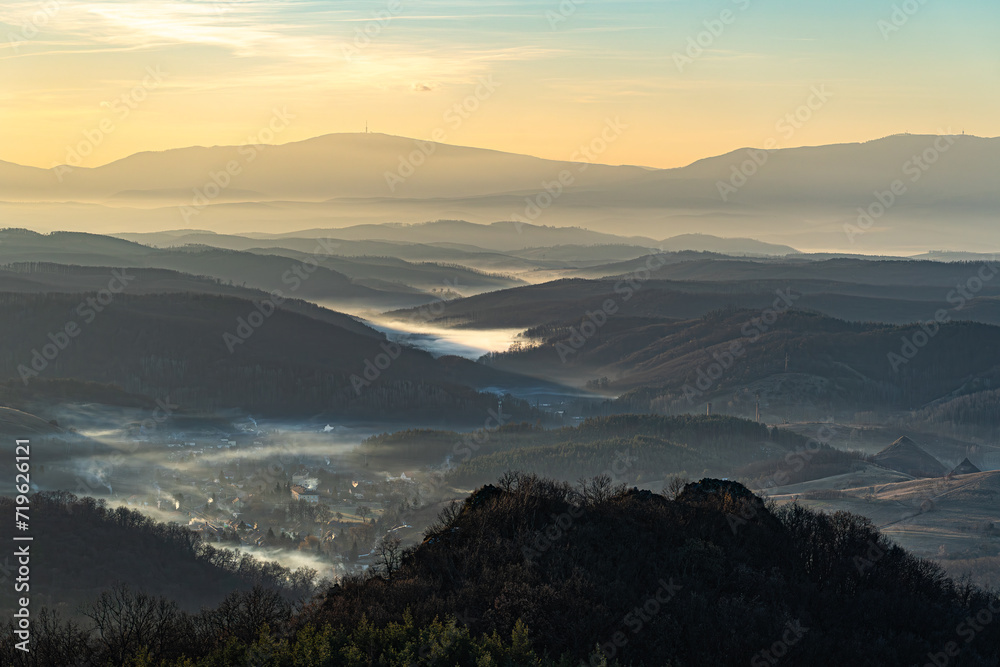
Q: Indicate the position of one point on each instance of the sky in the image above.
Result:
(683, 79)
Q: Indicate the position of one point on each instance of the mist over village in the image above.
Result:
(525, 333)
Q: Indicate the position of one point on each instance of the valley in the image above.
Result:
(544, 333)
(522, 373)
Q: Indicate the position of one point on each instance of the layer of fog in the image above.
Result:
(441, 341)
(295, 560)
(291, 559)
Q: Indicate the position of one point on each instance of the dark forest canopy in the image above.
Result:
(800, 363)
(182, 346)
(632, 448)
(534, 572)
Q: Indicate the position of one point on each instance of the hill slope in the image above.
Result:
(573, 569)
(905, 456)
(305, 276)
(534, 573)
(966, 467)
(221, 352)
(17, 424)
(89, 547)
(803, 365)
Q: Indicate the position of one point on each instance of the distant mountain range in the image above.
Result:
(946, 191)
(319, 273)
(461, 236)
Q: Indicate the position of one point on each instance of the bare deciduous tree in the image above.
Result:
(388, 556)
(674, 486)
(243, 613)
(128, 621)
(598, 489)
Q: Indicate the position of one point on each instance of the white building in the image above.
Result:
(302, 493)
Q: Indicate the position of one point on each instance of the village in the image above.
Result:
(250, 491)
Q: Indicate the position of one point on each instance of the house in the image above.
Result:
(302, 493)
(254, 537)
(306, 480)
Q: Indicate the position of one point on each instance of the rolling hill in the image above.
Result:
(804, 366)
(304, 277)
(202, 350)
(17, 424)
(966, 467)
(42, 278)
(907, 457)
(951, 519)
(687, 285)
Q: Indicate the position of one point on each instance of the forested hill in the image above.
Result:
(713, 577)
(45, 277)
(123, 546)
(217, 352)
(818, 363)
(538, 573)
(894, 292)
(809, 364)
(637, 447)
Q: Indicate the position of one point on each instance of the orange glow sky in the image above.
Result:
(73, 68)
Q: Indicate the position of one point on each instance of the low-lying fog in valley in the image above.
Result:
(196, 476)
(623, 334)
(269, 420)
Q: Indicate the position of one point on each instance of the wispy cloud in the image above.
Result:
(290, 41)
(245, 27)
